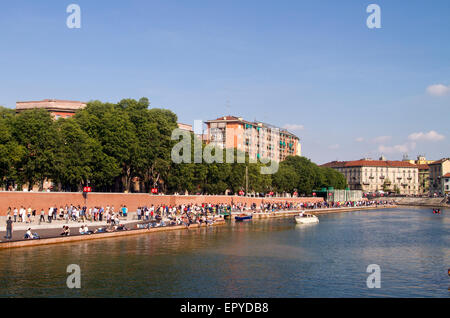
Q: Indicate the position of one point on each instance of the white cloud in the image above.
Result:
(334, 147)
(359, 139)
(381, 139)
(429, 136)
(293, 127)
(403, 148)
(438, 90)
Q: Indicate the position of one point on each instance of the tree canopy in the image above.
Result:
(127, 146)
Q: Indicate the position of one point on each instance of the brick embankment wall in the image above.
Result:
(44, 200)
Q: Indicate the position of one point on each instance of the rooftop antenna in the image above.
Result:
(228, 107)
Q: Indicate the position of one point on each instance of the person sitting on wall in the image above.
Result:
(28, 235)
(66, 231)
(85, 230)
(101, 230)
(121, 227)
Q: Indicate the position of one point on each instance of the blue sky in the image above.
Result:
(346, 90)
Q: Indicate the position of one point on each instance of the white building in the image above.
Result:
(446, 178)
(438, 170)
(379, 175)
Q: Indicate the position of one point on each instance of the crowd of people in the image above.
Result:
(158, 216)
(286, 206)
(67, 213)
(337, 204)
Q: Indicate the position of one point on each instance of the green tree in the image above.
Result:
(11, 153)
(386, 185)
(300, 174)
(75, 158)
(35, 131)
(111, 126)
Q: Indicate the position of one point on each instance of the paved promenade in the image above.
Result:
(46, 230)
(78, 238)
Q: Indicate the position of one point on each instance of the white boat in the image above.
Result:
(305, 218)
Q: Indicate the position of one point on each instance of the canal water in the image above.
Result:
(260, 258)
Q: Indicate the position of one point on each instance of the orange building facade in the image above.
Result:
(258, 139)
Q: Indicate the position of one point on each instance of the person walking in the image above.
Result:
(9, 229)
(138, 212)
(29, 211)
(50, 215)
(21, 218)
(42, 218)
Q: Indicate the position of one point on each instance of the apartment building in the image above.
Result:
(447, 183)
(379, 175)
(259, 140)
(438, 169)
(424, 172)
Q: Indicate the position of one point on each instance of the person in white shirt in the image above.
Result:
(21, 214)
(84, 230)
(29, 235)
(50, 215)
(16, 212)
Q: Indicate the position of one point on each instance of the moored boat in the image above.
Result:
(243, 217)
(306, 218)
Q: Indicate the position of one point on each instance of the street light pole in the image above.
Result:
(246, 180)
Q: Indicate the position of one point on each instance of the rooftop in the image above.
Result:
(51, 104)
(185, 127)
(439, 161)
(255, 123)
(369, 163)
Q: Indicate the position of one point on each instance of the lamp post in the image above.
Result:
(86, 190)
